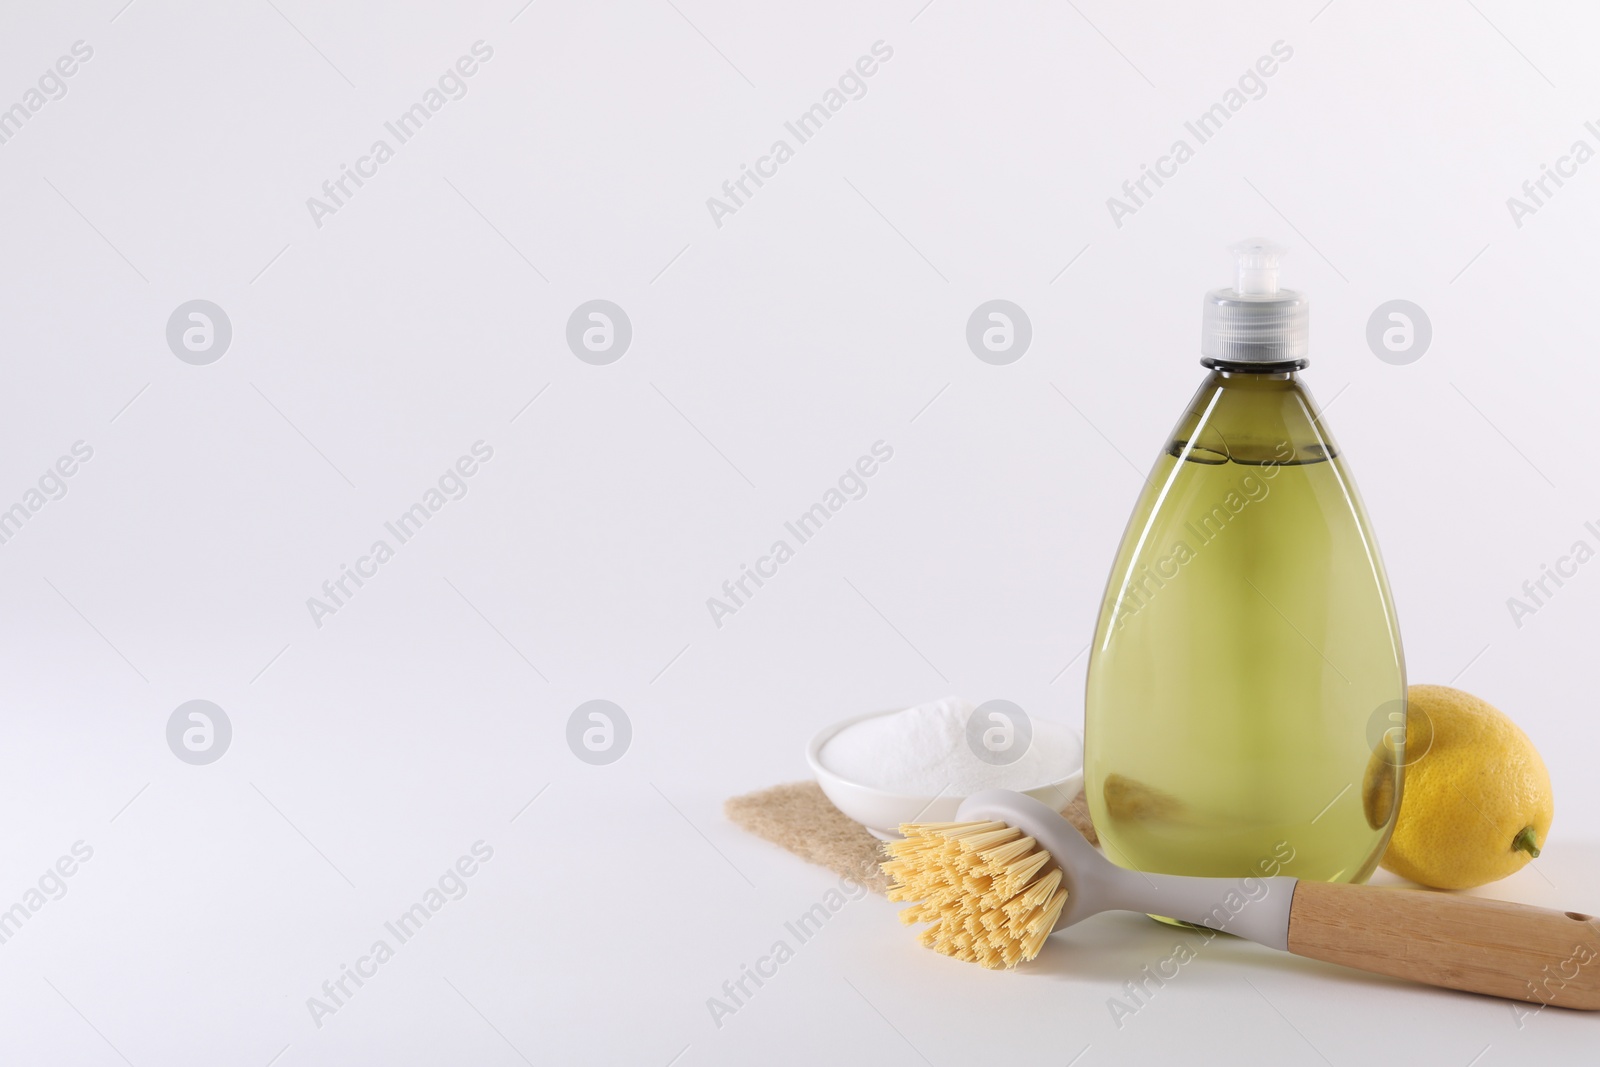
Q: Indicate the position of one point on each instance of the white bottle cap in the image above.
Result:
(1255, 321)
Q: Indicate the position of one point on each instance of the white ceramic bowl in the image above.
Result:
(882, 812)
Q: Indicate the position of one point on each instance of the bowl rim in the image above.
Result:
(826, 734)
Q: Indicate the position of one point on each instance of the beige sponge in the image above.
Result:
(797, 817)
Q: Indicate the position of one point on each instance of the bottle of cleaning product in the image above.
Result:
(1246, 691)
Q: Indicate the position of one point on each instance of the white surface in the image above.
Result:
(828, 313)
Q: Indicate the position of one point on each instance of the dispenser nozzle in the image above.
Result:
(1257, 264)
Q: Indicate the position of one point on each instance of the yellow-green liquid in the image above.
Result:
(1247, 657)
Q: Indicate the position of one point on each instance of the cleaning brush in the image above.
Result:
(994, 884)
(980, 888)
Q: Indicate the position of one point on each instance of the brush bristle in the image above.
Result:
(990, 894)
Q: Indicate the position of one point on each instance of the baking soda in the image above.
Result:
(923, 751)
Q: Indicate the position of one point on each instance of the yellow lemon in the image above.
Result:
(1476, 804)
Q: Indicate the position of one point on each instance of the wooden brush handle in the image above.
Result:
(1482, 946)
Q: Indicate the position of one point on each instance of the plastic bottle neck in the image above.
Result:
(1285, 369)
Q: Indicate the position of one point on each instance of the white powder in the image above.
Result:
(923, 751)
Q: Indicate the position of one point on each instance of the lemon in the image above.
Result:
(1475, 805)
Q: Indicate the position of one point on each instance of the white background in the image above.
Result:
(768, 354)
